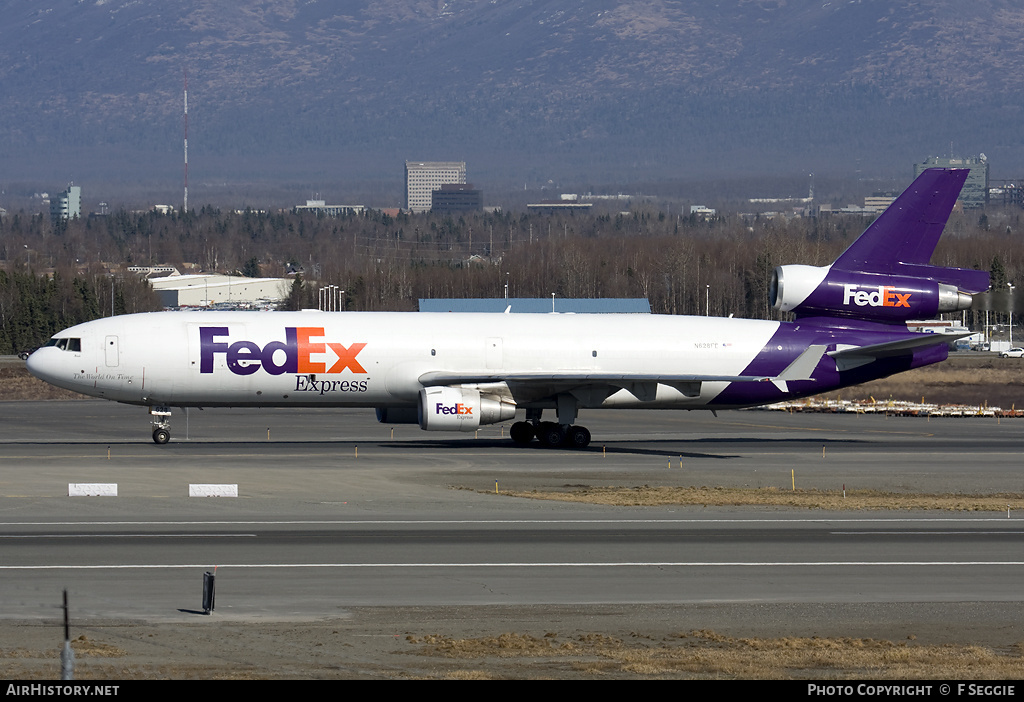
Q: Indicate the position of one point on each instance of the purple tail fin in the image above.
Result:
(884, 276)
(901, 241)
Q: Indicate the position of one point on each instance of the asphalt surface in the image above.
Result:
(336, 513)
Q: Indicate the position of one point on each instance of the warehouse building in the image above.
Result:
(220, 291)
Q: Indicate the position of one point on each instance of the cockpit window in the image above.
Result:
(68, 344)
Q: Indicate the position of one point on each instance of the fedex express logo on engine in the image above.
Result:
(289, 356)
(458, 408)
(882, 296)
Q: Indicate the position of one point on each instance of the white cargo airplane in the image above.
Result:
(456, 372)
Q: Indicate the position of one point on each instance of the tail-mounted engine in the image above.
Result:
(811, 291)
(461, 409)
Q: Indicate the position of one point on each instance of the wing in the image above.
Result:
(642, 385)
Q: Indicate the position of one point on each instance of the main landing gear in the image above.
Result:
(161, 424)
(552, 434)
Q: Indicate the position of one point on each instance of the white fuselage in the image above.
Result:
(367, 359)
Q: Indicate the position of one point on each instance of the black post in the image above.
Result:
(67, 656)
(208, 592)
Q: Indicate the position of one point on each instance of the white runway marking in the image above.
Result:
(125, 536)
(589, 564)
(927, 533)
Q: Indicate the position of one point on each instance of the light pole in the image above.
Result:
(707, 300)
(1010, 285)
(329, 297)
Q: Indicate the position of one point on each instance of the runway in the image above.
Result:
(335, 512)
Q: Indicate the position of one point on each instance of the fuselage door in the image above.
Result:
(110, 346)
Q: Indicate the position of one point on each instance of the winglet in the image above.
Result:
(801, 368)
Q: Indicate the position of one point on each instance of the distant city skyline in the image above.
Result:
(535, 96)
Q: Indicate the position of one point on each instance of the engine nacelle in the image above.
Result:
(822, 291)
(460, 409)
(398, 415)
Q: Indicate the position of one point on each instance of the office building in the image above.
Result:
(453, 197)
(320, 207)
(879, 202)
(422, 178)
(67, 205)
(975, 192)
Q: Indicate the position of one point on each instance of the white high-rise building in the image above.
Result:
(67, 205)
(422, 178)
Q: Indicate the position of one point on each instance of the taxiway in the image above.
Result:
(337, 512)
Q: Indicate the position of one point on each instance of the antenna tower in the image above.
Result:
(186, 142)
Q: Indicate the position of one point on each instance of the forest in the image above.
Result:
(53, 275)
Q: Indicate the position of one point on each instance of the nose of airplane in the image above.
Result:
(42, 363)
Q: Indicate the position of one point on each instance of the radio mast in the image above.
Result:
(185, 209)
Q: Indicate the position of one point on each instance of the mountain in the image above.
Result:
(525, 91)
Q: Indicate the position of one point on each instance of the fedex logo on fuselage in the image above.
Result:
(882, 296)
(293, 355)
(457, 408)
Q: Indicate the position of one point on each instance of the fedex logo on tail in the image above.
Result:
(293, 355)
(882, 296)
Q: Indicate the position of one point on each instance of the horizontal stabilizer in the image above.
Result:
(963, 279)
(853, 356)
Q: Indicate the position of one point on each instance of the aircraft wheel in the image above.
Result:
(161, 436)
(578, 437)
(550, 434)
(521, 432)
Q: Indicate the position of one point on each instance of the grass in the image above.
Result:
(16, 383)
(961, 380)
(706, 654)
(836, 500)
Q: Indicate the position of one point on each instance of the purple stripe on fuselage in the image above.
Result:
(793, 338)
